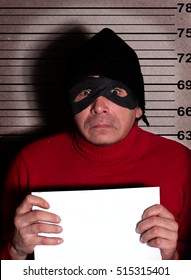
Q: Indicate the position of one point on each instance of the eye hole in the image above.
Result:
(119, 92)
(82, 95)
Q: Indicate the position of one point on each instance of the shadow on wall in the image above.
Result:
(48, 79)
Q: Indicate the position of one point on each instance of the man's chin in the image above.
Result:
(103, 138)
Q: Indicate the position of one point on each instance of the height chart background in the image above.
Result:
(36, 37)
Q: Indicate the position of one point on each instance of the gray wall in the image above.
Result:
(37, 36)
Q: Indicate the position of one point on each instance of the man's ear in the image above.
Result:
(138, 112)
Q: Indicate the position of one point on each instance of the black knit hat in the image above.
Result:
(106, 54)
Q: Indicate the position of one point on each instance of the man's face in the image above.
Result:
(103, 121)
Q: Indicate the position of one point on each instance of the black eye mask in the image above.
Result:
(100, 87)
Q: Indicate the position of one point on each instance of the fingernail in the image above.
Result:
(60, 240)
(137, 230)
(141, 240)
(47, 205)
(60, 229)
(58, 219)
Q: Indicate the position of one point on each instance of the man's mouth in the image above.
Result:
(101, 125)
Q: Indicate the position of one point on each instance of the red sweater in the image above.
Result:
(66, 161)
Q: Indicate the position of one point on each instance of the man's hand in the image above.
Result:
(159, 229)
(29, 223)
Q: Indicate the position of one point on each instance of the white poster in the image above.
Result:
(100, 224)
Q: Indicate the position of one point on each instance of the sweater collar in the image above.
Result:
(105, 155)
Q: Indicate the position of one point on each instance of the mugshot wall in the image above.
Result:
(38, 36)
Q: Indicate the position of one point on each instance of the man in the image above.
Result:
(108, 149)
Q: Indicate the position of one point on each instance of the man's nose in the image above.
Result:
(100, 105)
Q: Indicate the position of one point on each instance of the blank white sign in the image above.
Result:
(100, 224)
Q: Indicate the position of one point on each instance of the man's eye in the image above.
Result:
(82, 95)
(119, 92)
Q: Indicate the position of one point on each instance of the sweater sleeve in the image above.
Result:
(184, 219)
(13, 193)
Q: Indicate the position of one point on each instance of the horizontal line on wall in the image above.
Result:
(164, 109)
(29, 84)
(160, 91)
(160, 116)
(89, 8)
(44, 58)
(88, 24)
(86, 33)
(166, 134)
(157, 66)
(89, 15)
(60, 50)
(44, 75)
(35, 109)
(74, 40)
(56, 117)
(44, 99)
